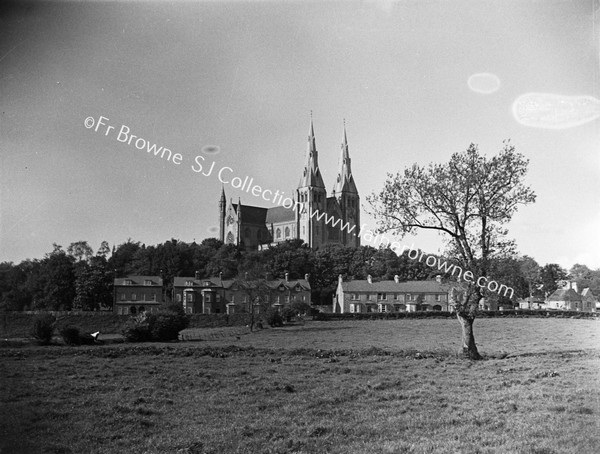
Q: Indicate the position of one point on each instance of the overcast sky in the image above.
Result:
(244, 76)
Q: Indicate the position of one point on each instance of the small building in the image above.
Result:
(589, 300)
(135, 294)
(532, 303)
(565, 299)
(358, 296)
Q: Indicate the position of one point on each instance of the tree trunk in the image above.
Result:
(469, 349)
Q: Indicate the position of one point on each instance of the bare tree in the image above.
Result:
(468, 200)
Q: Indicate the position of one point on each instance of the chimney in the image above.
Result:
(306, 276)
(340, 278)
(438, 278)
(369, 279)
(197, 275)
(221, 275)
(396, 279)
(574, 287)
(287, 276)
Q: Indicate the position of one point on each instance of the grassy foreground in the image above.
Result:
(279, 391)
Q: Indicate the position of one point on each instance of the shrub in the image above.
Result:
(70, 335)
(43, 328)
(165, 325)
(161, 327)
(273, 317)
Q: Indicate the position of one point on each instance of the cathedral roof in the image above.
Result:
(251, 214)
(280, 214)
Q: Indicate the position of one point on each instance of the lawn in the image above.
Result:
(337, 387)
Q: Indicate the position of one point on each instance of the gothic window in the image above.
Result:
(229, 220)
(287, 232)
(278, 233)
(230, 238)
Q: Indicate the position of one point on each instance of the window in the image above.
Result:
(355, 296)
(208, 297)
(233, 298)
(278, 233)
(368, 297)
(122, 296)
(133, 297)
(127, 282)
(396, 296)
(230, 238)
(143, 297)
(382, 307)
(147, 282)
(154, 297)
(438, 297)
(287, 232)
(351, 307)
(189, 283)
(381, 296)
(189, 297)
(178, 297)
(408, 297)
(206, 283)
(287, 299)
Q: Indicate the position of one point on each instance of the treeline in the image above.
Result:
(79, 279)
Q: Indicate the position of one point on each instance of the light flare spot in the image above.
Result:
(484, 83)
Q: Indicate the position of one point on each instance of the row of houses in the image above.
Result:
(396, 296)
(134, 294)
(566, 298)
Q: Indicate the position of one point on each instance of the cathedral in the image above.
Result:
(314, 217)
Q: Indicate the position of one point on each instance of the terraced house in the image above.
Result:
(219, 296)
(358, 296)
(135, 294)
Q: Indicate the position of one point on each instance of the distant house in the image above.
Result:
(217, 296)
(358, 296)
(565, 299)
(589, 300)
(135, 294)
(532, 302)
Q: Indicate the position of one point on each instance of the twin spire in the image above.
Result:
(312, 174)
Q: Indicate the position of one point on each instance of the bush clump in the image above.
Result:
(72, 336)
(43, 328)
(160, 327)
(273, 317)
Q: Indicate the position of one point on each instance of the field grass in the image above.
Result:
(336, 387)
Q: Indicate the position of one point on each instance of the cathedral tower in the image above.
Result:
(347, 196)
(312, 197)
(222, 210)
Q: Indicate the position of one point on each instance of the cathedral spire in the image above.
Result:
(311, 175)
(345, 180)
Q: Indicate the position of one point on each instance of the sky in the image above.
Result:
(235, 83)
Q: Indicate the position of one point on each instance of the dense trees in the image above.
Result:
(65, 281)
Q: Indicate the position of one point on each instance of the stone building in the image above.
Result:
(135, 294)
(310, 215)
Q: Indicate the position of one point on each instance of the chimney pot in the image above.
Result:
(197, 275)
(306, 276)
(396, 279)
(369, 279)
(438, 278)
(287, 276)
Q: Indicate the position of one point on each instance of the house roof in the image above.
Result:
(396, 287)
(564, 295)
(181, 281)
(139, 280)
(228, 283)
(280, 214)
(252, 214)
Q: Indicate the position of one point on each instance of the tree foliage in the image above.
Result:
(469, 200)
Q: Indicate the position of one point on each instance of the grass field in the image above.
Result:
(337, 387)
